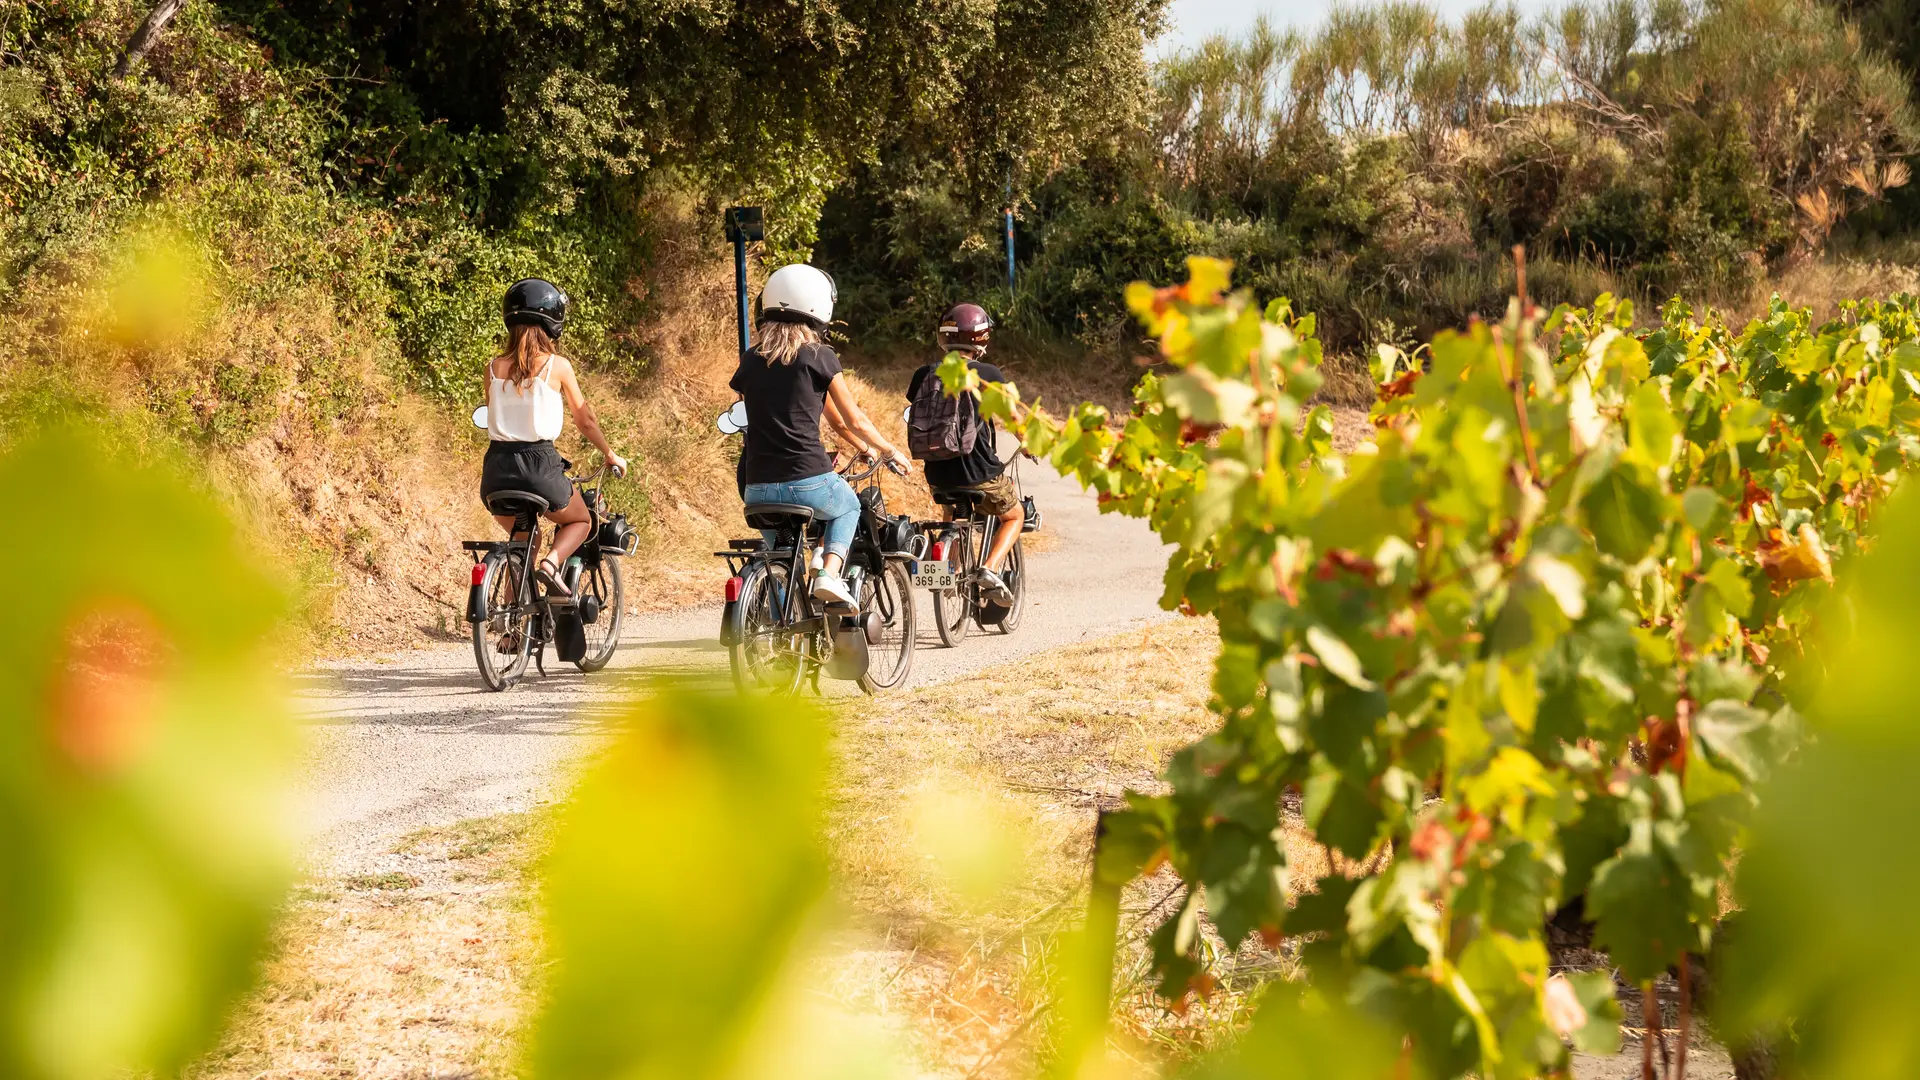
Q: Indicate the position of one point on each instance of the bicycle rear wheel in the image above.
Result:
(769, 657)
(603, 583)
(502, 642)
(952, 608)
(1015, 575)
(890, 660)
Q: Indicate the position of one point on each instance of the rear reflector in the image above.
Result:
(479, 573)
(733, 590)
(938, 552)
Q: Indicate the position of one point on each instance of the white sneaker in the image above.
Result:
(830, 590)
(995, 589)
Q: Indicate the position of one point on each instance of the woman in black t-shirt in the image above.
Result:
(785, 381)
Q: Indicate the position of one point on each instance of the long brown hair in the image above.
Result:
(780, 341)
(526, 346)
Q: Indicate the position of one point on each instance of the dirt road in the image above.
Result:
(412, 740)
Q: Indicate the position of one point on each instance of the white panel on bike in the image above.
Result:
(480, 418)
(726, 425)
(934, 576)
(906, 415)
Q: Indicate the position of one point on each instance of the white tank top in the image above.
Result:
(527, 413)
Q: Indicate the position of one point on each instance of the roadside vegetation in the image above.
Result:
(276, 242)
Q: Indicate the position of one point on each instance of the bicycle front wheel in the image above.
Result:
(603, 583)
(889, 660)
(1015, 575)
(769, 657)
(503, 640)
(952, 608)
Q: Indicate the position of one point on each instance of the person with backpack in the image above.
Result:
(947, 434)
(787, 380)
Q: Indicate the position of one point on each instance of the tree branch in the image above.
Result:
(145, 37)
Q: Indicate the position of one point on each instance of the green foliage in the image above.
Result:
(1302, 1034)
(1823, 947)
(233, 154)
(1536, 638)
(547, 109)
(145, 766)
(1378, 170)
(680, 876)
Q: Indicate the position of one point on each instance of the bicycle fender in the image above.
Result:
(477, 595)
(730, 624)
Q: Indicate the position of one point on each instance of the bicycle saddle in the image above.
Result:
(513, 502)
(777, 515)
(958, 499)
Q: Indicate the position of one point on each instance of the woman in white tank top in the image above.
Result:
(527, 386)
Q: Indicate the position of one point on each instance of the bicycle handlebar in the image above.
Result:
(853, 473)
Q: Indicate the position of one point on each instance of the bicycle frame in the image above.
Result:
(529, 599)
(799, 616)
(976, 522)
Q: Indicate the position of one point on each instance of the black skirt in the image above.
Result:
(526, 466)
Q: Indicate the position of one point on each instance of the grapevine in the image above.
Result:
(1535, 642)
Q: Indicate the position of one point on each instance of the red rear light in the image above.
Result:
(479, 573)
(733, 590)
(938, 553)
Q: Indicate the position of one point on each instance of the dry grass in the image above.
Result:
(960, 835)
(394, 980)
(1822, 283)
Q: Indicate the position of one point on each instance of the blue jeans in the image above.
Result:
(831, 498)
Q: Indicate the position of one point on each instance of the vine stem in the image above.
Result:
(1649, 1019)
(1686, 1015)
(1521, 338)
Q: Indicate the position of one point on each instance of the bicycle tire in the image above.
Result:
(1015, 575)
(761, 662)
(953, 608)
(603, 634)
(899, 633)
(504, 571)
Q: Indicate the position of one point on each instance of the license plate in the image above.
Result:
(936, 576)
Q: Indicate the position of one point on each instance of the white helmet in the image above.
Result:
(799, 293)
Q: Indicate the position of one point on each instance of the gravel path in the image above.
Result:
(413, 740)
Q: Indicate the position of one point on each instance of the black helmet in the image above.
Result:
(965, 327)
(536, 302)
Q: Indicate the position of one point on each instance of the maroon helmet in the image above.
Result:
(965, 328)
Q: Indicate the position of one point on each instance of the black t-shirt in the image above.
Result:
(783, 414)
(983, 464)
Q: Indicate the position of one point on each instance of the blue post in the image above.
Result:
(1009, 231)
(740, 289)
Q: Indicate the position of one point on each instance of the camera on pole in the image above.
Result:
(745, 225)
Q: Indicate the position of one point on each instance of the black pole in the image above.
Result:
(745, 224)
(740, 289)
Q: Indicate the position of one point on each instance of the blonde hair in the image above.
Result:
(526, 345)
(780, 341)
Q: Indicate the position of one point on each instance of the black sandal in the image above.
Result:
(551, 579)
